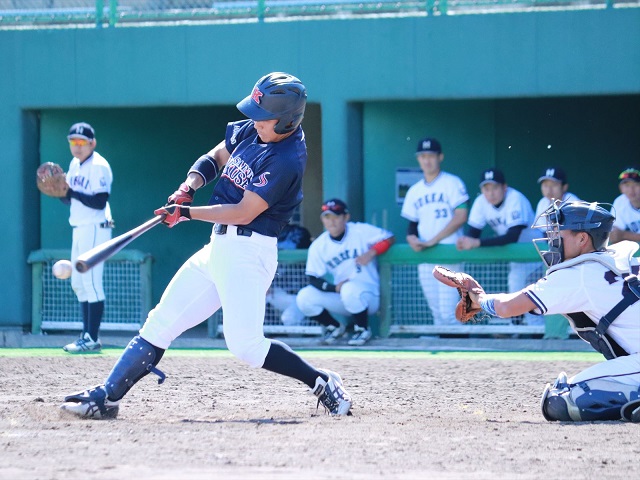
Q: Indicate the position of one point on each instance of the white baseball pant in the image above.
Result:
(441, 298)
(354, 297)
(231, 271)
(88, 286)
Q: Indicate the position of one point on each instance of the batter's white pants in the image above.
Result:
(88, 286)
(354, 297)
(441, 298)
(231, 271)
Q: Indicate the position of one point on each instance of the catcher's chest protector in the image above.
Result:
(587, 330)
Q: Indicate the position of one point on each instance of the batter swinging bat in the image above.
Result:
(106, 250)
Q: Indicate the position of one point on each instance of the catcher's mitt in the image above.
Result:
(465, 309)
(51, 180)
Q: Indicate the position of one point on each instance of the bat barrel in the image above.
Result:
(100, 253)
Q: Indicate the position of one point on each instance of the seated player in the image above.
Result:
(346, 251)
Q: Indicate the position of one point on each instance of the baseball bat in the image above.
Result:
(106, 250)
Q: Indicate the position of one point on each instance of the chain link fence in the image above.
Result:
(99, 13)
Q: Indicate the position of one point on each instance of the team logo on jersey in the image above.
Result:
(80, 182)
(263, 180)
(256, 95)
(238, 172)
(236, 130)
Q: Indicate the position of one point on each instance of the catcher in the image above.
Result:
(596, 288)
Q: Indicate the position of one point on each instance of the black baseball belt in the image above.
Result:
(220, 229)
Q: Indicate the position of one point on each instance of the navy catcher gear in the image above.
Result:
(576, 216)
(276, 96)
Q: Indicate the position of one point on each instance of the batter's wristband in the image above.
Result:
(206, 167)
(382, 246)
(185, 212)
(187, 189)
(488, 305)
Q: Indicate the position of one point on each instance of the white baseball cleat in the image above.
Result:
(84, 344)
(360, 337)
(331, 394)
(92, 403)
(333, 333)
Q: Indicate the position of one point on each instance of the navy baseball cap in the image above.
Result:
(81, 130)
(631, 174)
(334, 206)
(428, 145)
(553, 173)
(492, 175)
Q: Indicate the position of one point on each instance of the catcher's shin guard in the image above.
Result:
(137, 360)
(590, 404)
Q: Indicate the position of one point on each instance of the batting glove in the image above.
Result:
(182, 196)
(173, 214)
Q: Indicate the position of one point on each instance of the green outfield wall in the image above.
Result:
(518, 91)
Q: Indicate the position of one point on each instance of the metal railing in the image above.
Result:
(100, 13)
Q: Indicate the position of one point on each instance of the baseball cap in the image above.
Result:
(429, 145)
(81, 130)
(335, 206)
(492, 175)
(630, 174)
(553, 173)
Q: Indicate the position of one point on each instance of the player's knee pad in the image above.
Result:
(580, 403)
(138, 359)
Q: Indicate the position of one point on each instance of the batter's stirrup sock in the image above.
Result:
(96, 309)
(325, 319)
(281, 359)
(84, 307)
(361, 319)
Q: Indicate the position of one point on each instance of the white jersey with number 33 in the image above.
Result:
(337, 257)
(431, 205)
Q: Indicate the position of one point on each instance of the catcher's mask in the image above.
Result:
(276, 96)
(587, 217)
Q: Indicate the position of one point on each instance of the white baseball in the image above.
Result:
(62, 269)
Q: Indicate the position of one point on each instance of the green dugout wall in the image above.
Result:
(496, 89)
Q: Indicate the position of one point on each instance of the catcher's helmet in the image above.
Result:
(587, 217)
(278, 96)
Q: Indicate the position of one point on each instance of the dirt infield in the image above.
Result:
(415, 416)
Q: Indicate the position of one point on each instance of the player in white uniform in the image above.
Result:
(554, 186)
(627, 207)
(509, 214)
(260, 164)
(89, 178)
(437, 208)
(343, 273)
(597, 289)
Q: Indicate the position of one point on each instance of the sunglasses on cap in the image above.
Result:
(630, 174)
(78, 142)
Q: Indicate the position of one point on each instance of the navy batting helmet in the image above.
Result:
(276, 96)
(578, 217)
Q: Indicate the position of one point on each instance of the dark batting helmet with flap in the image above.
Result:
(276, 96)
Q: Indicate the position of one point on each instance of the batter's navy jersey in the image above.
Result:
(272, 170)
